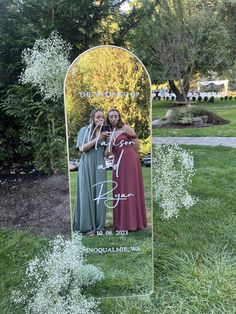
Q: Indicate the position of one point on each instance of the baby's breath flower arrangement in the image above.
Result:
(173, 169)
(46, 65)
(55, 283)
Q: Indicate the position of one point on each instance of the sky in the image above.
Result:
(125, 6)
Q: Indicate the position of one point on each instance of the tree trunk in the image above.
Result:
(180, 96)
(174, 88)
(186, 89)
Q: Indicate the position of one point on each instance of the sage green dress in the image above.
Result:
(89, 213)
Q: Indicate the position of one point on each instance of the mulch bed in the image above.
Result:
(180, 126)
(213, 119)
(34, 202)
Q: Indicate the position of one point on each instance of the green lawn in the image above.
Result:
(16, 250)
(225, 109)
(194, 255)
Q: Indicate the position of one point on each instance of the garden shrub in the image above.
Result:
(167, 97)
(172, 97)
(193, 98)
(173, 169)
(221, 98)
(56, 282)
(16, 147)
(42, 132)
(46, 65)
(211, 99)
(230, 97)
(199, 98)
(186, 119)
(205, 98)
(181, 117)
(226, 97)
(159, 97)
(185, 115)
(196, 111)
(144, 146)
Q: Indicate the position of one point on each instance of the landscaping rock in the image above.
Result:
(170, 114)
(159, 123)
(155, 122)
(205, 118)
(197, 121)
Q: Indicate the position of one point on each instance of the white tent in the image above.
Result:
(217, 82)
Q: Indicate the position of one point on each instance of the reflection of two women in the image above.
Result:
(94, 141)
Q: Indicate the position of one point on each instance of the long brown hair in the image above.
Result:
(91, 121)
(120, 122)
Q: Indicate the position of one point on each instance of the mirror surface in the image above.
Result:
(107, 102)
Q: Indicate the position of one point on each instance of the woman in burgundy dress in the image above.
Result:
(129, 211)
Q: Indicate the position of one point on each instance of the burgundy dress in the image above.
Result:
(129, 212)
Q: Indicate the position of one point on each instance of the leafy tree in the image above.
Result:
(39, 134)
(12, 134)
(181, 41)
(117, 28)
(22, 23)
(108, 70)
(227, 13)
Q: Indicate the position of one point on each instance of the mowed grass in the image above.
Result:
(16, 250)
(225, 109)
(195, 260)
(194, 255)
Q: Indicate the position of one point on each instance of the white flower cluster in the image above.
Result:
(46, 66)
(55, 283)
(173, 169)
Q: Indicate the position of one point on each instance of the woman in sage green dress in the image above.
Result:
(90, 212)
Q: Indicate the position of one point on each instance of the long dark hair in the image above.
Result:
(120, 122)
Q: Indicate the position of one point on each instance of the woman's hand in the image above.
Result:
(103, 135)
(109, 134)
(131, 132)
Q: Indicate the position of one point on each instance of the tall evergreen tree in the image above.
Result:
(21, 23)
